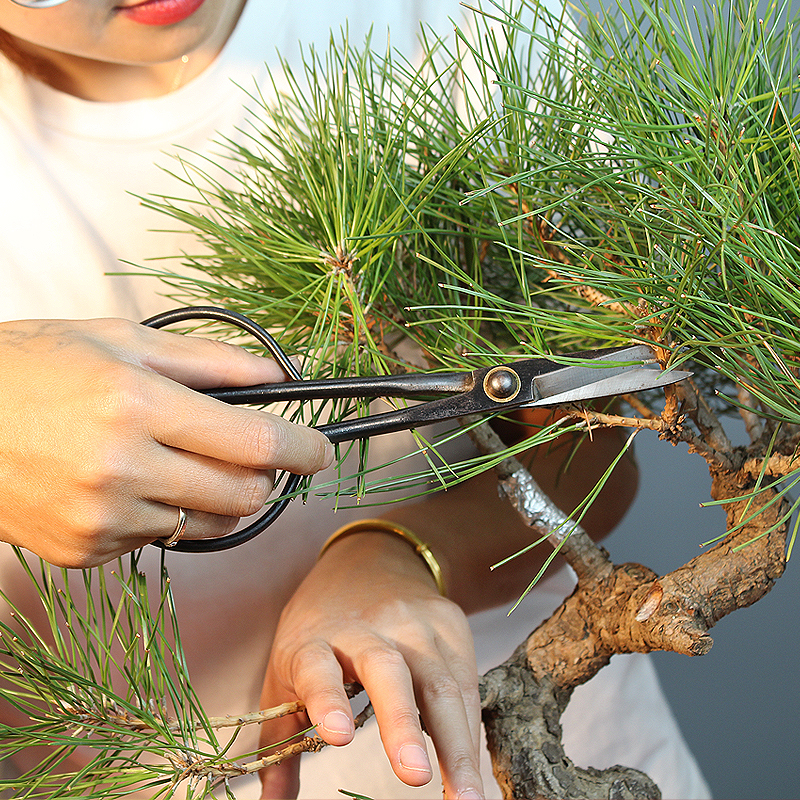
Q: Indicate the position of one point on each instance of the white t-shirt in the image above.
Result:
(69, 215)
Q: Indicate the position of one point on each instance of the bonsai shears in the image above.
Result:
(525, 383)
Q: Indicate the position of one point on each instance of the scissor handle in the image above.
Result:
(292, 481)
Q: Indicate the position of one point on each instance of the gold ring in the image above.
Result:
(172, 540)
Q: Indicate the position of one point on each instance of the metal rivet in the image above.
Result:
(501, 384)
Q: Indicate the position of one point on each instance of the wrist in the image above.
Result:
(401, 533)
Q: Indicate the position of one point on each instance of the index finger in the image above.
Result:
(244, 436)
(203, 363)
(445, 690)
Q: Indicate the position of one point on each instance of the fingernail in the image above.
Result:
(337, 722)
(470, 794)
(414, 757)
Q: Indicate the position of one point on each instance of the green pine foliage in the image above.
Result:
(548, 183)
(105, 675)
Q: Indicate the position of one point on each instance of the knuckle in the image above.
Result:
(98, 472)
(261, 440)
(463, 762)
(102, 331)
(273, 442)
(305, 661)
(78, 559)
(118, 396)
(252, 493)
(81, 545)
(404, 717)
(381, 658)
(118, 328)
(307, 656)
(442, 687)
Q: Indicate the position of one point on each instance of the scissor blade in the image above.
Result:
(576, 376)
(634, 379)
(594, 367)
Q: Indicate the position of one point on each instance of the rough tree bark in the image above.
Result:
(614, 609)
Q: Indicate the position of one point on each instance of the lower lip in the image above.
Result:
(160, 12)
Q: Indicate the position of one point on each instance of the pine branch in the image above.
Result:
(615, 609)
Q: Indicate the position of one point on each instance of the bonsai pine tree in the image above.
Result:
(541, 183)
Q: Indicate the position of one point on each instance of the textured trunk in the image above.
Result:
(617, 609)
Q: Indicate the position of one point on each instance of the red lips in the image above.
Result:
(160, 12)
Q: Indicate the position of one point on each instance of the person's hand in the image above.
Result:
(369, 613)
(101, 440)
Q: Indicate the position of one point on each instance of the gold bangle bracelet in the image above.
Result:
(384, 526)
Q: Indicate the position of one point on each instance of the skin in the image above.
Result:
(409, 647)
(126, 441)
(112, 440)
(88, 49)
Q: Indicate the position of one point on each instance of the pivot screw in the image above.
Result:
(501, 384)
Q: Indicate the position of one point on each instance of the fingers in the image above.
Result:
(318, 680)
(198, 525)
(390, 687)
(206, 485)
(421, 678)
(199, 363)
(202, 484)
(96, 460)
(190, 421)
(242, 436)
(444, 688)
